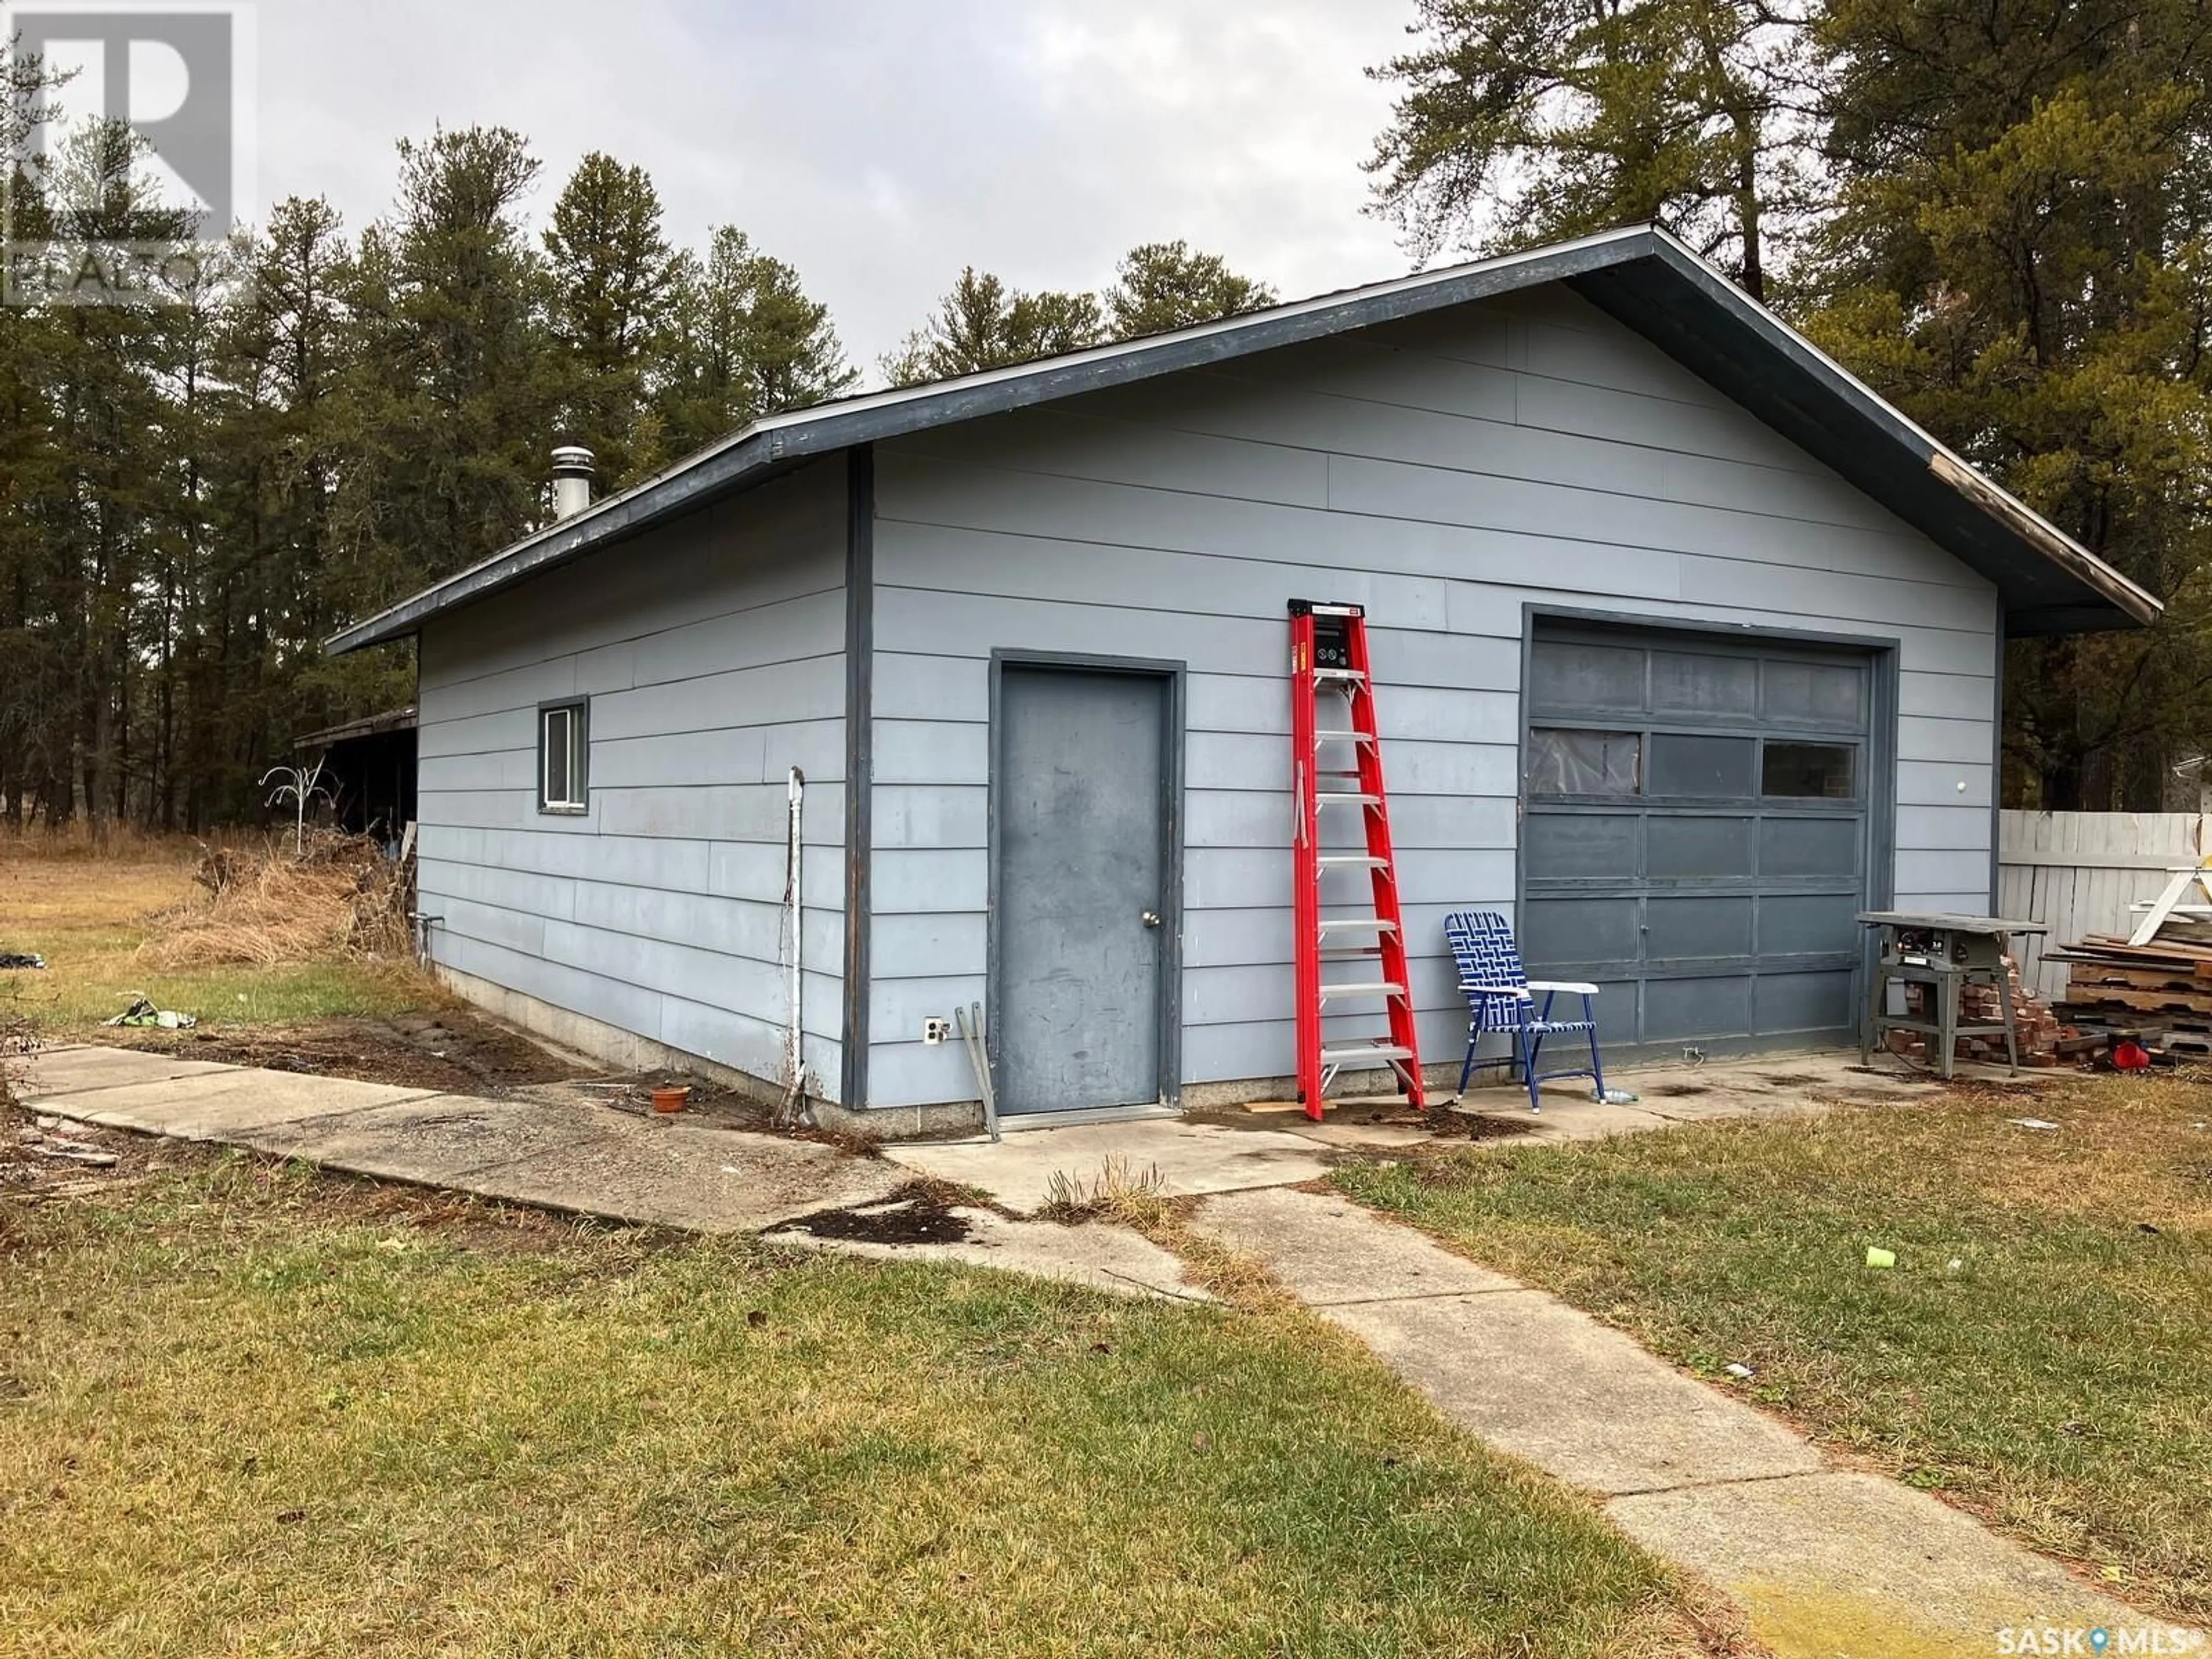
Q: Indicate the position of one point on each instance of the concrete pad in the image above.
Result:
(1191, 1158)
(1537, 1379)
(222, 1105)
(674, 1175)
(431, 1140)
(1585, 1119)
(1329, 1251)
(54, 1072)
(1370, 1137)
(1712, 1105)
(1098, 1254)
(1854, 1565)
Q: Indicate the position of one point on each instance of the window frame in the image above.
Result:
(579, 710)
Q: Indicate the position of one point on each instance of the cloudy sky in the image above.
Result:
(881, 144)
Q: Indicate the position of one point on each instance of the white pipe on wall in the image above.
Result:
(795, 1056)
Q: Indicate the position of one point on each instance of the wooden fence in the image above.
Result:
(2077, 873)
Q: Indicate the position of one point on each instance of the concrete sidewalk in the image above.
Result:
(560, 1154)
(1829, 1564)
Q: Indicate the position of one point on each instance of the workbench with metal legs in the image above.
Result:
(1944, 953)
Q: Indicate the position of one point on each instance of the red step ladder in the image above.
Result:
(1334, 745)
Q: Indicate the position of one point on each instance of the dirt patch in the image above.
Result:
(1678, 1091)
(1482, 1126)
(45, 1158)
(452, 1051)
(1363, 1114)
(920, 1212)
(1791, 1080)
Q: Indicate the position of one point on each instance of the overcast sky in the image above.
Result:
(880, 145)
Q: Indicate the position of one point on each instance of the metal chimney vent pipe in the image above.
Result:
(572, 480)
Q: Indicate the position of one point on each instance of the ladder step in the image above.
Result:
(1353, 862)
(1344, 737)
(1345, 798)
(1357, 925)
(1339, 676)
(1379, 987)
(1366, 1051)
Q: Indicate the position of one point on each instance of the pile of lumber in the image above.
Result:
(2158, 993)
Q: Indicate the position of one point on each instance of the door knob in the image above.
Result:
(1152, 918)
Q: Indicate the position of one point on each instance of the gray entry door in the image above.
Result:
(1081, 785)
(1698, 834)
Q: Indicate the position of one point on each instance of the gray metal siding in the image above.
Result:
(714, 654)
(1443, 473)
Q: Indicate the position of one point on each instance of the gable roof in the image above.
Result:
(1642, 276)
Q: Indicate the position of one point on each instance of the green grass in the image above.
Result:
(261, 1413)
(2041, 1354)
(86, 916)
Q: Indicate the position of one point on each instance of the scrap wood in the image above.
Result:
(2157, 993)
(2157, 909)
(70, 1154)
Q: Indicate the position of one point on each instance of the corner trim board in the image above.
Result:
(1997, 770)
(860, 765)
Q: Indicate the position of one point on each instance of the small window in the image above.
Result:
(562, 748)
(1568, 763)
(1808, 771)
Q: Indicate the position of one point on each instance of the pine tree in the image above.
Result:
(2019, 258)
(746, 342)
(115, 450)
(614, 280)
(1521, 122)
(983, 324)
(452, 405)
(1160, 286)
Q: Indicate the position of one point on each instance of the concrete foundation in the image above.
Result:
(612, 1046)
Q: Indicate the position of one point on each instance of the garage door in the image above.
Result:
(1696, 834)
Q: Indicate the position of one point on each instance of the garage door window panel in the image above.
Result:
(1699, 686)
(1563, 761)
(1809, 771)
(1695, 766)
(1567, 674)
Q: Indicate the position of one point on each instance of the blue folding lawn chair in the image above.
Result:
(1501, 998)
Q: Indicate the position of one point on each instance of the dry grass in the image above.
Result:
(339, 899)
(2038, 1355)
(1137, 1199)
(123, 843)
(242, 1419)
(89, 915)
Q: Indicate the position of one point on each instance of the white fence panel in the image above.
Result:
(2078, 873)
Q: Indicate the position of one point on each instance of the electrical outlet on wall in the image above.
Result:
(934, 1031)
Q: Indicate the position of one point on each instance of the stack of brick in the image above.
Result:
(2037, 1031)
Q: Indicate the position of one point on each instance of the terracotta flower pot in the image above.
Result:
(669, 1097)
